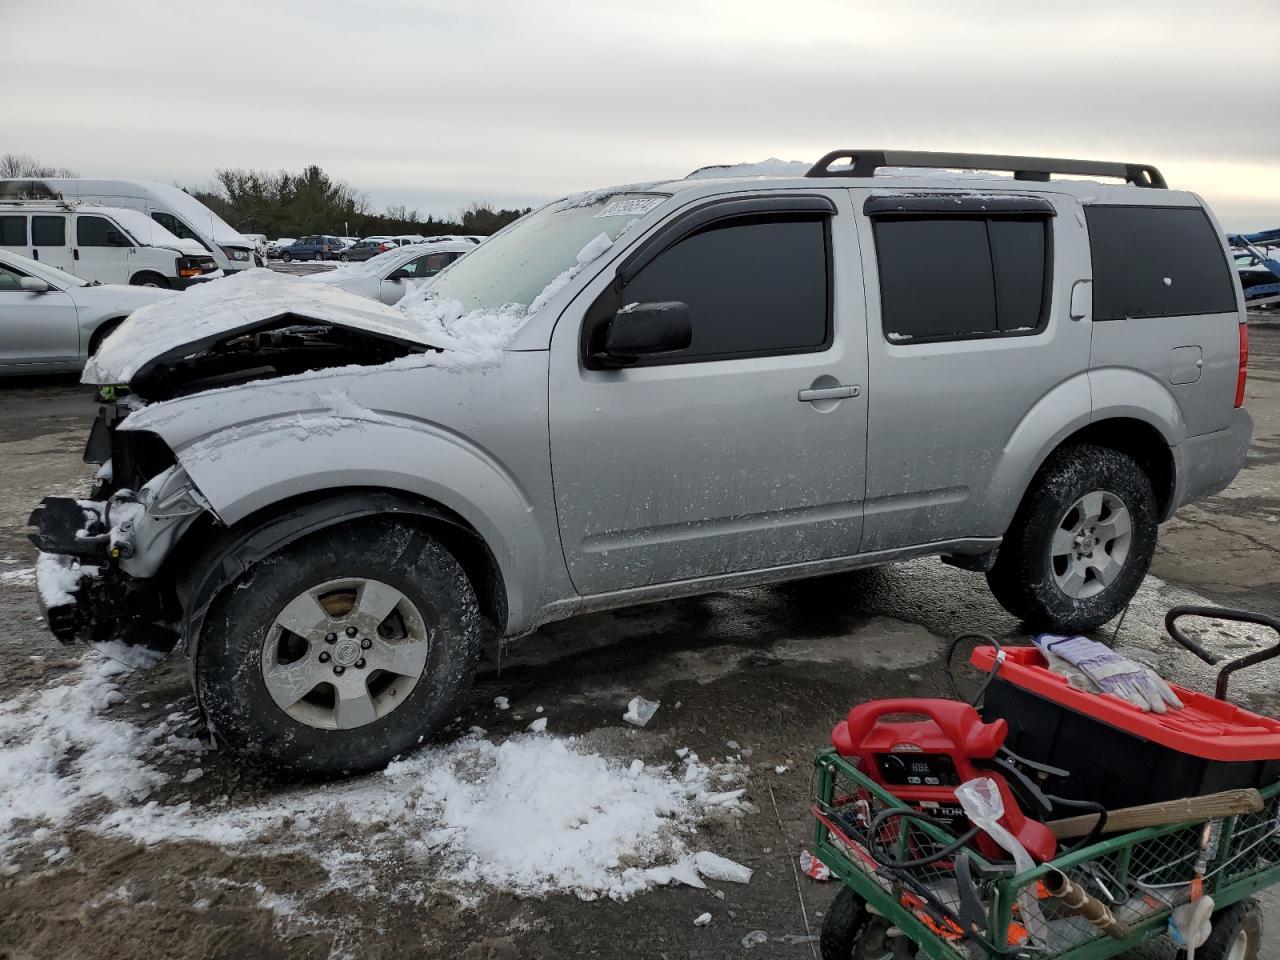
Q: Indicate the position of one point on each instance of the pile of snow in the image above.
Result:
(533, 814)
(59, 752)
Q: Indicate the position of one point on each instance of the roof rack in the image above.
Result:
(864, 163)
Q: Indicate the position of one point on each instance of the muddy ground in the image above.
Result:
(771, 669)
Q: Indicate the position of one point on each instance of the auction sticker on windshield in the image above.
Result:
(629, 206)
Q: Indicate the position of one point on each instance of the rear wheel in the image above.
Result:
(1236, 933)
(1081, 541)
(342, 651)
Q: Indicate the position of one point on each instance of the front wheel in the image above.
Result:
(149, 280)
(1236, 933)
(345, 257)
(852, 932)
(287, 257)
(1081, 542)
(342, 651)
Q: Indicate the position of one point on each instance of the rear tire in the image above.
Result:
(394, 703)
(1081, 542)
(149, 280)
(1236, 933)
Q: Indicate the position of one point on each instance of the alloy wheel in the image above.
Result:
(345, 653)
(1090, 544)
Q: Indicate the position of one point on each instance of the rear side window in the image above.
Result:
(96, 232)
(961, 277)
(49, 231)
(13, 231)
(756, 285)
(1156, 262)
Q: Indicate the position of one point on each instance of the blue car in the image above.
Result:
(312, 248)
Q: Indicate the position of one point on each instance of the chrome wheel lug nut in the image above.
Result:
(360, 664)
(339, 670)
(324, 656)
(366, 643)
(331, 638)
(351, 631)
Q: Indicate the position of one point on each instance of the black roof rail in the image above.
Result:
(864, 163)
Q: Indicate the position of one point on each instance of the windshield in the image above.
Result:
(520, 262)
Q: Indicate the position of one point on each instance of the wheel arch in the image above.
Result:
(137, 278)
(214, 557)
(102, 331)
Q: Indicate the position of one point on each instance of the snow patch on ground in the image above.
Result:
(534, 814)
(59, 752)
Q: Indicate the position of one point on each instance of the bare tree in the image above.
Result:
(25, 165)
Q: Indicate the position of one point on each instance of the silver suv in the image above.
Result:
(650, 391)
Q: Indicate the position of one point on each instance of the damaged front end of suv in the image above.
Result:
(108, 568)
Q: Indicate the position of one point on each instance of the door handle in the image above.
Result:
(828, 393)
(75, 253)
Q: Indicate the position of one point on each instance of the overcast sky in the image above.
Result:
(434, 104)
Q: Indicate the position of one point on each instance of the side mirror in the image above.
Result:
(400, 273)
(646, 330)
(33, 285)
(116, 238)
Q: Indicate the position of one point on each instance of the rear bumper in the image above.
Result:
(1207, 464)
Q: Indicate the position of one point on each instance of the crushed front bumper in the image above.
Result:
(83, 593)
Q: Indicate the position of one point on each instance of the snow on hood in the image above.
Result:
(240, 303)
(147, 231)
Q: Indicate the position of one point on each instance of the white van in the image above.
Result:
(178, 212)
(107, 244)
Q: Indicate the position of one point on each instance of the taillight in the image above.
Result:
(1243, 375)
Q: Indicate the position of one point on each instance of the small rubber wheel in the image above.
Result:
(1236, 933)
(1080, 543)
(345, 257)
(341, 651)
(286, 256)
(851, 932)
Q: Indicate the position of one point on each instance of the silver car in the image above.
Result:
(51, 321)
(388, 276)
(645, 392)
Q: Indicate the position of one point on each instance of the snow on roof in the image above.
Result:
(772, 167)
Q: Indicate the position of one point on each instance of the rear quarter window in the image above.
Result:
(13, 231)
(1156, 262)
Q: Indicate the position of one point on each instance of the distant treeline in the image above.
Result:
(285, 204)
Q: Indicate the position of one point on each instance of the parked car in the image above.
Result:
(388, 276)
(106, 244)
(259, 241)
(365, 249)
(275, 246)
(649, 392)
(176, 210)
(312, 248)
(51, 321)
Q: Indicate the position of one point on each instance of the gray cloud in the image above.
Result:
(434, 102)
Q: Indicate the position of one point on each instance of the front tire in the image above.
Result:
(341, 651)
(149, 280)
(287, 257)
(1081, 542)
(851, 932)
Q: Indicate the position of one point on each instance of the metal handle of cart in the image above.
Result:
(1141, 875)
(1222, 613)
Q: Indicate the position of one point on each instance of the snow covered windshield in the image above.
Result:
(518, 264)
